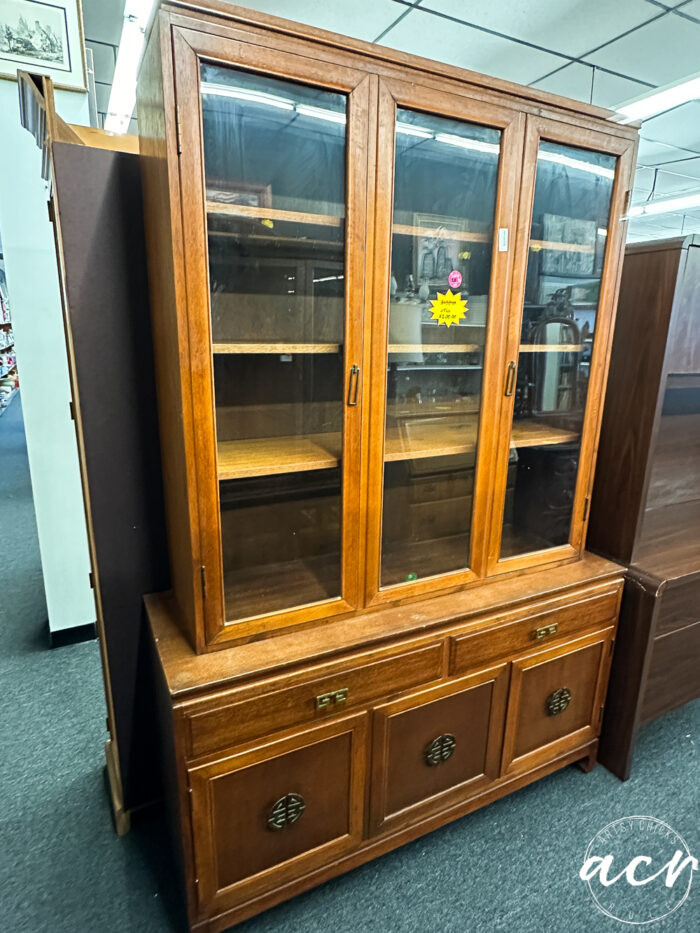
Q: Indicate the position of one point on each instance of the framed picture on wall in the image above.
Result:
(43, 37)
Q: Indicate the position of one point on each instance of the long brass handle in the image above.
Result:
(353, 385)
(510, 378)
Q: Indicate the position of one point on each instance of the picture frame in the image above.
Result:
(580, 234)
(45, 37)
(436, 253)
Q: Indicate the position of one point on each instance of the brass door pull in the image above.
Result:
(558, 701)
(545, 630)
(440, 749)
(353, 385)
(336, 698)
(510, 378)
(285, 811)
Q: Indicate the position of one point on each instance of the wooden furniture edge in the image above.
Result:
(189, 674)
(244, 16)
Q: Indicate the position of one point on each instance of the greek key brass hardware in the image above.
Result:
(558, 701)
(440, 749)
(544, 630)
(336, 698)
(510, 378)
(285, 811)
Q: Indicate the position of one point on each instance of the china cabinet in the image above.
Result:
(382, 293)
(646, 507)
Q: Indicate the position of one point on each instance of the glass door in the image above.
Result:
(283, 335)
(440, 299)
(559, 342)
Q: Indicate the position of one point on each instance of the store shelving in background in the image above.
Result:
(9, 381)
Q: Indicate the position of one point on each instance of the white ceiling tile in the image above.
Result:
(103, 20)
(444, 41)
(570, 26)
(664, 51)
(361, 19)
(655, 152)
(679, 127)
(689, 10)
(575, 81)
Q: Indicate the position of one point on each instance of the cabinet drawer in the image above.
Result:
(274, 812)
(556, 700)
(437, 744)
(472, 650)
(680, 607)
(231, 719)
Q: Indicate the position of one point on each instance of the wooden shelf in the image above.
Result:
(445, 407)
(431, 556)
(538, 434)
(267, 456)
(272, 213)
(463, 236)
(434, 347)
(566, 247)
(253, 591)
(552, 347)
(275, 348)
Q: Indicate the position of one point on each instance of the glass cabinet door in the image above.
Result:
(547, 382)
(437, 278)
(282, 328)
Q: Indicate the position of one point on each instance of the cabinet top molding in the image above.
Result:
(390, 61)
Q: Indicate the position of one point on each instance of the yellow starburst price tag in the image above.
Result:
(448, 308)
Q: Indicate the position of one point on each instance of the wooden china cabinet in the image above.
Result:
(382, 294)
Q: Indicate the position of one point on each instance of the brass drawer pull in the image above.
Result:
(285, 811)
(440, 749)
(545, 630)
(336, 698)
(558, 701)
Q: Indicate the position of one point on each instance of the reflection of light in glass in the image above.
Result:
(577, 164)
(271, 100)
(320, 113)
(601, 231)
(475, 144)
(329, 278)
(409, 130)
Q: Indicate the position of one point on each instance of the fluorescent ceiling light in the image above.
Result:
(122, 97)
(661, 99)
(666, 205)
(578, 164)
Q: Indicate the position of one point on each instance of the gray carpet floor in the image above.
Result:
(512, 866)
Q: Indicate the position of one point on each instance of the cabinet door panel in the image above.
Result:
(562, 307)
(556, 701)
(281, 809)
(446, 176)
(275, 307)
(436, 746)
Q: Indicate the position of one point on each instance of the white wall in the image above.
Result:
(32, 279)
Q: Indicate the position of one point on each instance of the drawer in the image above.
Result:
(680, 607)
(472, 650)
(236, 717)
(272, 813)
(556, 700)
(674, 672)
(436, 745)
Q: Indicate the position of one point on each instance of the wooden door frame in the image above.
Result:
(190, 47)
(550, 130)
(394, 93)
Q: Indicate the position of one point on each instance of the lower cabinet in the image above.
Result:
(556, 700)
(435, 744)
(277, 810)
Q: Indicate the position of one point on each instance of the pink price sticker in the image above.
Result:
(455, 278)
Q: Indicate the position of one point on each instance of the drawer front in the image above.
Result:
(274, 812)
(680, 607)
(556, 700)
(229, 720)
(674, 672)
(471, 651)
(436, 744)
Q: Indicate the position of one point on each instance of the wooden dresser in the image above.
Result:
(646, 506)
(382, 293)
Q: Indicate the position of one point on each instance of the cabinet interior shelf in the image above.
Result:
(552, 347)
(434, 347)
(275, 348)
(566, 247)
(435, 437)
(464, 236)
(273, 213)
